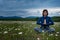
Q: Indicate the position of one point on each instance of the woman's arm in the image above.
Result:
(50, 21)
(39, 22)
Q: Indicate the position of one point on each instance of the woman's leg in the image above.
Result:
(51, 30)
(38, 29)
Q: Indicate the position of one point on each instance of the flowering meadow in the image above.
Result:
(24, 30)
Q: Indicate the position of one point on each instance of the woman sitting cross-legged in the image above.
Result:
(45, 21)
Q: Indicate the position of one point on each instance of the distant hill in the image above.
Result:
(2, 17)
(17, 17)
(31, 17)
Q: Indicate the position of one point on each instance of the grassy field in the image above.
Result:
(24, 30)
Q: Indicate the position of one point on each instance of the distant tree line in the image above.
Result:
(56, 19)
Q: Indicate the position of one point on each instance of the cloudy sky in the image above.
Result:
(25, 8)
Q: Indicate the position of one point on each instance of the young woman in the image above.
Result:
(45, 22)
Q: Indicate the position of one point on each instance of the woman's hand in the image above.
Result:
(44, 22)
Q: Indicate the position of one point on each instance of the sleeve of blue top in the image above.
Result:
(50, 21)
(39, 22)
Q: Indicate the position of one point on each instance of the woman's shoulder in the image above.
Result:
(40, 17)
(49, 17)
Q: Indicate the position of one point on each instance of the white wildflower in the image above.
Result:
(50, 34)
(5, 32)
(56, 35)
(16, 29)
(42, 30)
(20, 33)
(38, 38)
(47, 38)
(57, 32)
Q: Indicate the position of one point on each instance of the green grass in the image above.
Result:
(24, 30)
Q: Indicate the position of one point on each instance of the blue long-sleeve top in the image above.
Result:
(49, 21)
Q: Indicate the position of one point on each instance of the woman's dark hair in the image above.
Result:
(44, 11)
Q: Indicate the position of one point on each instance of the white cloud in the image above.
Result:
(38, 12)
(31, 12)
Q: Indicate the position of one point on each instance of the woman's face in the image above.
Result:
(45, 13)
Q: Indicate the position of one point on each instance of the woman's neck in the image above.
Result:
(45, 16)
